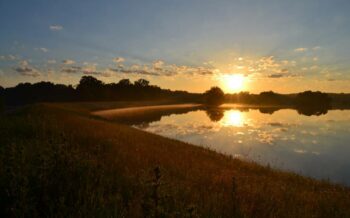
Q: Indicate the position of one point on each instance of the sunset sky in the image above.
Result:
(247, 45)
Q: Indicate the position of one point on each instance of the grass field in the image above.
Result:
(57, 160)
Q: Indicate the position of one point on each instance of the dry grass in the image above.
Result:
(58, 163)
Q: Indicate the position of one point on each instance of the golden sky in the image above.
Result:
(284, 46)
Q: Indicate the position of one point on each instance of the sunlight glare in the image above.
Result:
(233, 82)
(233, 118)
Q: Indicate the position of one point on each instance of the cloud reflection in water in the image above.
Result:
(310, 145)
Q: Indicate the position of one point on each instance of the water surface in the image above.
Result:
(315, 146)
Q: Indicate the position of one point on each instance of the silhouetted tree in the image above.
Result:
(2, 103)
(268, 110)
(214, 96)
(90, 88)
(242, 98)
(124, 82)
(312, 103)
(215, 114)
(271, 98)
(26, 93)
(141, 83)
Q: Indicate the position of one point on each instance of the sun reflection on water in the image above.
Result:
(233, 118)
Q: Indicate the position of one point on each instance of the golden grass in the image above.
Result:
(194, 181)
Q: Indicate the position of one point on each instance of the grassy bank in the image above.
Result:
(57, 160)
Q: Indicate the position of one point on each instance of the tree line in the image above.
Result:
(90, 89)
(307, 103)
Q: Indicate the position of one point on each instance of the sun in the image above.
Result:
(233, 82)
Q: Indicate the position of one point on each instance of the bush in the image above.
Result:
(214, 96)
(313, 103)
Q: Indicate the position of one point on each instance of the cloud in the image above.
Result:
(300, 151)
(68, 62)
(56, 27)
(97, 73)
(86, 70)
(25, 70)
(134, 71)
(283, 73)
(276, 75)
(119, 60)
(267, 63)
(284, 70)
(42, 49)
(316, 48)
(158, 64)
(264, 66)
(91, 70)
(300, 49)
(160, 68)
(203, 71)
(28, 72)
(285, 62)
(8, 57)
(51, 61)
(24, 63)
(73, 69)
(314, 67)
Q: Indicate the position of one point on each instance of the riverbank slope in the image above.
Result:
(58, 160)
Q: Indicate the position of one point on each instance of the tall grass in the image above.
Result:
(59, 163)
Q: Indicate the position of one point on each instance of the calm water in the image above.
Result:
(316, 146)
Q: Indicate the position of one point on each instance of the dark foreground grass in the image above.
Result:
(59, 163)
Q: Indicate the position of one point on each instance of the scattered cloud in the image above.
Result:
(300, 151)
(86, 70)
(300, 49)
(42, 49)
(158, 64)
(316, 48)
(91, 70)
(73, 69)
(97, 73)
(119, 60)
(285, 62)
(8, 57)
(314, 67)
(56, 27)
(51, 61)
(283, 73)
(276, 75)
(160, 68)
(68, 62)
(134, 71)
(24, 63)
(25, 70)
(284, 70)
